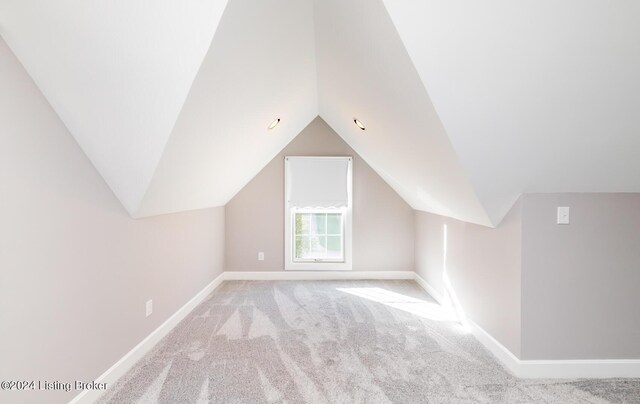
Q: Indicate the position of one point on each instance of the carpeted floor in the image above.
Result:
(335, 342)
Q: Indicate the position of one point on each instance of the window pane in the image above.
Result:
(302, 247)
(318, 235)
(334, 247)
(318, 246)
(319, 223)
(302, 223)
(334, 223)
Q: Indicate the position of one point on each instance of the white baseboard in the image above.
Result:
(579, 369)
(437, 296)
(520, 368)
(315, 275)
(504, 355)
(126, 362)
(545, 369)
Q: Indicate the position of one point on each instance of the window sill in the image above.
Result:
(317, 266)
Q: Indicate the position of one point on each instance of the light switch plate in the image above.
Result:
(563, 215)
(260, 256)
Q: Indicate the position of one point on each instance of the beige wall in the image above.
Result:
(382, 222)
(75, 270)
(543, 290)
(483, 265)
(581, 282)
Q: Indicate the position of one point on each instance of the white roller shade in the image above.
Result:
(318, 182)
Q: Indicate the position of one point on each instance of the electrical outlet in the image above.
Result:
(149, 307)
(563, 215)
(260, 256)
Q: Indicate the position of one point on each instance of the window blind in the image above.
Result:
(318, 182)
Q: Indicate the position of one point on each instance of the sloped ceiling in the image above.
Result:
(536, 96)
(116, 72)
(260, 66)
(467, 104)
(365, 72)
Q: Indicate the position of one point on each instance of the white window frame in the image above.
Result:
(343, 215)
(289, 231)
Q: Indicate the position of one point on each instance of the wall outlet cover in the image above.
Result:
(149, 307)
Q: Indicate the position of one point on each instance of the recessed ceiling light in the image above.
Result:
(358, 123)
(273, 124)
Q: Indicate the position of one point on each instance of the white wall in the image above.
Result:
(75, 269)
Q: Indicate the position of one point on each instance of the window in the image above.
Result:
(317, 213)
(318, 235)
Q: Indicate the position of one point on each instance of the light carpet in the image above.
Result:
(335, 342)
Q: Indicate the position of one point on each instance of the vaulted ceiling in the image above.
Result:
(466, 104)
